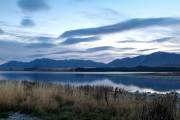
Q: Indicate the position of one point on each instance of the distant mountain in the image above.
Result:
(49, 63)
(157, 59)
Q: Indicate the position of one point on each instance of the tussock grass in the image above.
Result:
(58, 102)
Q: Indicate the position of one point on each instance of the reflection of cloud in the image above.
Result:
(107, 82)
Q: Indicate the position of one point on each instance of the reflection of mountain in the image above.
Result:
(107, 82)
(158, 59)
(141, 81)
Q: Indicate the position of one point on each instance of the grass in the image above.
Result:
(58, 102)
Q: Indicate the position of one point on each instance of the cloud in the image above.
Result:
(40, 45)
(44, 38)
(36, 55)
(106, 48)
(159, 40)
(29, 7)
(33, 5)
(29, 40)
(122, 26)
(24, 45)
(71, 41)
(130, 41)
(28, 37)
(145, 50)
(127, 48)
(130, 54)
(112, 12)
(88, 51)
(65, 52)
(26, 22)
(164, 39)
(12, 50)
(100, 43)
(40, 38)
(68, 51)
(93, 50)
(102, 48)
(1, 32)
(103, 15)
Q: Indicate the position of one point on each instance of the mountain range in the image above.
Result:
(157, 59)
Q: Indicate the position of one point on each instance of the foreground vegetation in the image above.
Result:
(58, 102)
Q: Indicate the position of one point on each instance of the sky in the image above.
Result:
(99, 30)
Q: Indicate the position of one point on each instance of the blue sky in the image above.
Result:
(100, 30)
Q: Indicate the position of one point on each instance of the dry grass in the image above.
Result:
(52, 101)
(11, 93)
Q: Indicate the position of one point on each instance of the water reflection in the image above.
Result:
(131, 81)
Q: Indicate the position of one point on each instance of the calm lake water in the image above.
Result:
(142, 82)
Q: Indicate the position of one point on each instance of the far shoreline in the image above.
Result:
(155, 73)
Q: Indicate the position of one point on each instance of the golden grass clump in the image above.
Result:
(11, 93)
(55, 101)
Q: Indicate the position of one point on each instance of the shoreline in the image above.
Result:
(170, 73)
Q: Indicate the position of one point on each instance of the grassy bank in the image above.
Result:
(58, 102)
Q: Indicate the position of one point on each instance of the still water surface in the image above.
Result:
(142, 82)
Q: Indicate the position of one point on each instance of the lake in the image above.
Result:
(131, 81)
